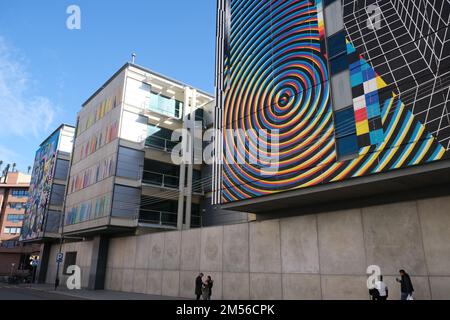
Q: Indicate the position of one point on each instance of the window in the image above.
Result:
(12, 230)
(57, 195)
(15, 218)
(17, 205)
(337, 44)
(160, 138)
(70, 260)
(341, 90)
(164, 105)
(345, 129)
(338, 64)
(19, 193)
(334, 21)
(62, 169)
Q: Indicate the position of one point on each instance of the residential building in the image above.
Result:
(13, 198)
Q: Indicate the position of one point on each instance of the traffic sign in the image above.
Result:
(59, 257)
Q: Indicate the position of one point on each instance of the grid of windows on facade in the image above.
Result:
(17, 205)
(342, 99)
(15, 218)
(19, 193)
(11, 230)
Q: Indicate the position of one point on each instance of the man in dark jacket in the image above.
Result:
(405, 285)
(198, 285)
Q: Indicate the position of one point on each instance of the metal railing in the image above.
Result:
(160, 179)
(160, 143)
(161, 218)
(164, 218)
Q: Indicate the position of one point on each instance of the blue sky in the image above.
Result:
(47, 71)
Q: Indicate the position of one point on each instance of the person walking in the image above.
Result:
(382, 288)
(206, 289)
(210, 282)
(406, 286)
(198, 285)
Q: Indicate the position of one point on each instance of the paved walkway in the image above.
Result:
(84, 294)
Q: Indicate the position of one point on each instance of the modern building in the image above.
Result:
(353, 99)
(44, 205)
(124, 176)
(13, 198)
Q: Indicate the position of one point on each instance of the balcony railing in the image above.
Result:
(160, 143)
(164, 218)
(161, 218)
(160, 179)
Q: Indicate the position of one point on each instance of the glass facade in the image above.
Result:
(165, 105)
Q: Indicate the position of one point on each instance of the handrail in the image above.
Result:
(164, 222)
(167, 145)
(163, 180)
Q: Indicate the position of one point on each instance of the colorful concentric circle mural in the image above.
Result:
(277, 92)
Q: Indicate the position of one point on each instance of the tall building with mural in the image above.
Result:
(47, 192)
(347, 91)
(345, 160)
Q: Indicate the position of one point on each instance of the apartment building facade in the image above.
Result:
(13, 199)
(123, 178)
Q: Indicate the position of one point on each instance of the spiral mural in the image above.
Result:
(276, 81)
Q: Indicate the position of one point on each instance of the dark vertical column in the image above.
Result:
(99, 258)
(44, 256)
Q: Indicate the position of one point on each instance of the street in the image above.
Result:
(14, 292)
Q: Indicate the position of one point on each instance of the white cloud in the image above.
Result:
(22, 114)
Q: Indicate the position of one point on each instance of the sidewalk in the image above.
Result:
(85, 294)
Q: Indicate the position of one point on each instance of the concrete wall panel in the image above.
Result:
(190, 249)
(299, 245)
(265, 254)
(211, 249)
(301, 287)
(140, 281)
(344, 288)
(393, 238)
(171, 283)
(435, 221)
(155, 251)
(440, 288)
(265, 286)
(236, 248)
(341, 243)
(154, 282)
(172, 250)
(236, 286)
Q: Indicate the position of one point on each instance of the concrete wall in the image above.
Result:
(320, 256)
(84, 253)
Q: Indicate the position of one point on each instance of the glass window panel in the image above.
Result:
(339, 64)
(337, 44)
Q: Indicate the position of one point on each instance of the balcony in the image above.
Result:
(159, 143)
(158, 218)
(160, 179)
(164, 219)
